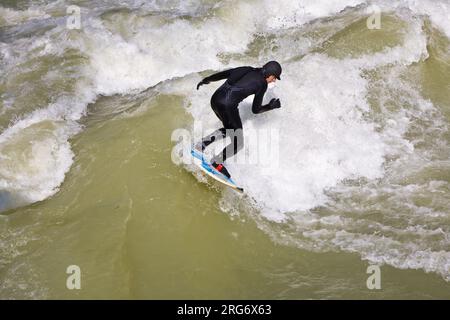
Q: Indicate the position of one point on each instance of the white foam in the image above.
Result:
(35, 152)
(9, 17)
(324, 138)
(164, 49)
(161, 51)
(437, 10)
(287, 13)
(33, 163)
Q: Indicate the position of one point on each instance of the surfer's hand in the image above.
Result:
(275, 103)
(202, 83)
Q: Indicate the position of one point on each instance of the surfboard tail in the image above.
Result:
(200, 161)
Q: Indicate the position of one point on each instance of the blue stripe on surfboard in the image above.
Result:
(197, 155)
(209, 168)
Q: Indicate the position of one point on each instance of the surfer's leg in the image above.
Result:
(219, 109)
(237, 143)
(206, 141)
(233, 129)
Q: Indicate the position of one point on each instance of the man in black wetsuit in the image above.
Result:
(241, 82)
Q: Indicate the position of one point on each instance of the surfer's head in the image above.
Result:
(272, 71)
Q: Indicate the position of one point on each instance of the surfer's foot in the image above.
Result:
(221, 168)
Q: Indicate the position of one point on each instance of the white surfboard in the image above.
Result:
(206, 167)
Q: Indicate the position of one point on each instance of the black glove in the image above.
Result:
(202, 83)
(275, 103)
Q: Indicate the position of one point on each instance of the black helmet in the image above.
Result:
(272, 68)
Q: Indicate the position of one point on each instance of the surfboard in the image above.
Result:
(207, 168)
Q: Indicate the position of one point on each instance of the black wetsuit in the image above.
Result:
(241, 82)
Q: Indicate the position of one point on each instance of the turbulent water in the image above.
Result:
(363, 171)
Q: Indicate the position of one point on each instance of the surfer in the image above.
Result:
(240, 83)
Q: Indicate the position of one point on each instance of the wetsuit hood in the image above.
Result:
(272, 68)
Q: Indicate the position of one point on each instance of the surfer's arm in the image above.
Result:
(232, 75)
(215, 77)
(257, 106)
(218, 76)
